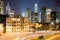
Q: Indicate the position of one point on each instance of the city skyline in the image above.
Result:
(29, 20)
(22, 5)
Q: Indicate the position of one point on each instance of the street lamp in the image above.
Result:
(52, 23)
(52, 26)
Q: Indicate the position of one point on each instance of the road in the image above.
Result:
(24, 35)
(55, 37)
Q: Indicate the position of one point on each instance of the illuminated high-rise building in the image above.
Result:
(1, 7)
(10, 12)
(39, 17)
(27, 13)
(32, 16)
(58, 17)
(48, 15)
(7, 8)
(36, 11)
(35, 8)
(43, 14)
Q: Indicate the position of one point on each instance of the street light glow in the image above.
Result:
(52, 23)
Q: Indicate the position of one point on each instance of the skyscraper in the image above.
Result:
(1, 7)
(7, 8)
(35, 8)
(53, 15)
(36, 11)
(43, 14)
(27, 12)
(58, 17)
(48, 15)
(39, 17)
(32, 16)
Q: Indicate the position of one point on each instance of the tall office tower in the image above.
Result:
(48, 15)
(27, 13)
(58, 17)
(35, 8)
(36, 12)
(39, 17)
(53, 20)
(43, 14)
(7, 8)
(32, 16)
(58, 20)
(1, 7)
(53, 15)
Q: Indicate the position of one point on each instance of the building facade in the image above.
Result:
(35, 8)
(39, 17)
(43, 14)
(1, 7)
(7, 8)
(35, 12)
(13, 24)
(34, 17)
(20, 24)
(48, 15)
(25, 21)
(1, 28)
(3, 21)
(58, 17)
(27, 12)
(11, 13)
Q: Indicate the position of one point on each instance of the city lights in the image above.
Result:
(1, 28)
(13, 22)
(52, 23)
(36, 7)
(29, 20)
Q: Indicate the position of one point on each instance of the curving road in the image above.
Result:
(24, 35)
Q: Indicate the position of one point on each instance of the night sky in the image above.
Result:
(19, 6)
